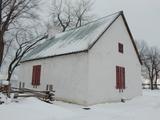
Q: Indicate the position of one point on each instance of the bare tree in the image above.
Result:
(150, 57)
(156, 66)
(82, 12)
(62, 14)
(69, 15)
(11, 11)
(24, 46)
(149, 60)
(22, 50)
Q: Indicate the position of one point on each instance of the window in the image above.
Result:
(120, 47)
(36, 73)
(120, 78)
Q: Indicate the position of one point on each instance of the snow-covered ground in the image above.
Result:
(146, 107)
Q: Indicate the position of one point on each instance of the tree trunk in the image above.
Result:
(9, 86)
(9, 77)
(152, 87)
(1, 48)
(63, 29)
(155, 85)
(156, 80)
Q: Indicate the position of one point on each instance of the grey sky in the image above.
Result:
(143, 16)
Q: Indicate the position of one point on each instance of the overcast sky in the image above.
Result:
(143, 16)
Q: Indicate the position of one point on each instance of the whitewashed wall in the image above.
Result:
(90, 78)
(104, 57)
(68, 74)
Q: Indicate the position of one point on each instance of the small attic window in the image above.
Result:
(120, 47)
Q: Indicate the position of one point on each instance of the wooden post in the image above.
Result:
(8, 89)
(23, 85)
(47, 87)
(50, 87)
(20, 85)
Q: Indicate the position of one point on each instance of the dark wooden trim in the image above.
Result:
(105, 29)
(86, 50)
(76, 52)
(132, 39)
(120, 48)
(129, 32)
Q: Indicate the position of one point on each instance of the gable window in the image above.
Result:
(120, 47)
(36, 73)
(120, 78)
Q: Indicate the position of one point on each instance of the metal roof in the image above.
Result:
(71, 41)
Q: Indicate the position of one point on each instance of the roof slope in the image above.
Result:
(75, 40)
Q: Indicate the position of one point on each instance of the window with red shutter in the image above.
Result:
(120, 78)
(123, 72)
(117, 77)
(36, 73)
(120, 47)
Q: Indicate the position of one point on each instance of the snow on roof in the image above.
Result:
(74, 40)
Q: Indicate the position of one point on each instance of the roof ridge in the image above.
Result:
(120, 12)
(77, 31)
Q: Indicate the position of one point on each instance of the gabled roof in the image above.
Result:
(76, 40)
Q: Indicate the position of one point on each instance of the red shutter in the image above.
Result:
(117, 77)
(120, 77)
(33, 76)
(123, 78)
(36, 75)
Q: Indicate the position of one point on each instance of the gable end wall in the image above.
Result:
(103, 58)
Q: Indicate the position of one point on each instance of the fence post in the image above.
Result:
(23, 85)
(20, 85)
(47, 87)
(50, 87)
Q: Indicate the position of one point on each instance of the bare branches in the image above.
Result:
(150, 57)
(62, 14)
(11, 11)
(69, 15)
(22, 50)
(82, 11)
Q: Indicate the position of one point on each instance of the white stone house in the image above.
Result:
(95, 63)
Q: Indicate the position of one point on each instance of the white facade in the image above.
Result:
(103, 59)
(68, 75)
(90, 77)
